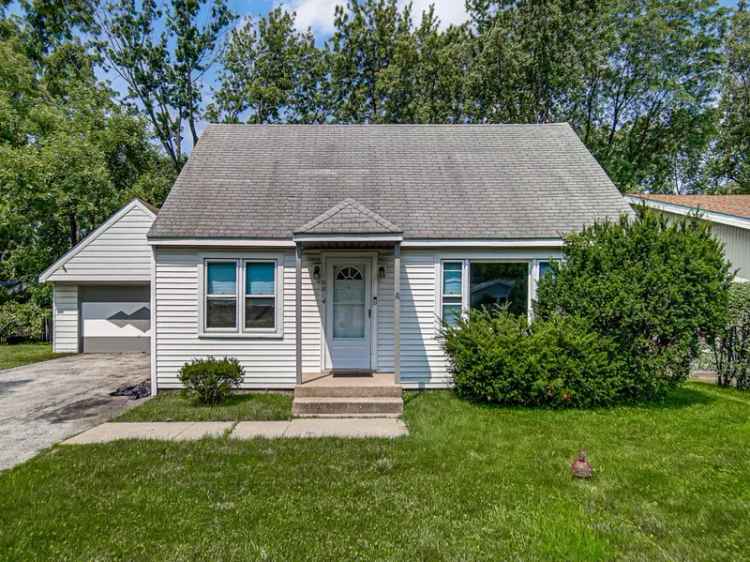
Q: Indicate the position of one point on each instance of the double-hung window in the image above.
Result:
(452, 292)
(241, 297)
(221, 295)
(260, 295)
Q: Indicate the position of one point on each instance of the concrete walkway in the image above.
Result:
(297, 428)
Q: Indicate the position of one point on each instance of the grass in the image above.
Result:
(171, 406)
(26, 353)
(672, 482)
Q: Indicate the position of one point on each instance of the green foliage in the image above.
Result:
(25, 320)
(731, 346)
(210, 381)
(271, 73)
(162, 55)
(69, 156)
(732, 155)
(498, 357)
(653, 286)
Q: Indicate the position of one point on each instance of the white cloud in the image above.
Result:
(318, 14)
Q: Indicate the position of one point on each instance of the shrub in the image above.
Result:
(210, 381)
(731, 347)
(22, 320)
(653, 286)
(498, 357)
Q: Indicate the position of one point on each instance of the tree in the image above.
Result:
(648, 112)
(653, 285)
(731, 166)
(164, 81)
(271, 73)
(368, 35)
(69, 156)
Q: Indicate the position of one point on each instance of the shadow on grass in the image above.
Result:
(682, 397)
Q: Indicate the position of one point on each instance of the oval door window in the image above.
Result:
(349, 304)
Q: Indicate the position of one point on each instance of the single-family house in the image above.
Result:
(728, 215)
(306, 250)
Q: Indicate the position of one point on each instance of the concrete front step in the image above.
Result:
(351, 391)
(334, 406)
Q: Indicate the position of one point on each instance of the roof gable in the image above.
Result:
(90, 258)
(348, 217)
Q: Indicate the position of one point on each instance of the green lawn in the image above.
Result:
(171, 406)
(672, 482)
(25, 353)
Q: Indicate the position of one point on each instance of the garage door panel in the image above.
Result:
(115, 318)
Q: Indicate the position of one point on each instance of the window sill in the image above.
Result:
(240, 336)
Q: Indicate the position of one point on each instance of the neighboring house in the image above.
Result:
(304, 249)
(728, 215)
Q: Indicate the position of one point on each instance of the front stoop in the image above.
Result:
(346, 396)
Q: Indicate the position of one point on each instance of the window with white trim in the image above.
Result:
(260, 295)
(241, 297)
(452, 292)
(221, 295)
(483, 283)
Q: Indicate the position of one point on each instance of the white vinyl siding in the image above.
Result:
(423, 363)
(269, 362)
(65, 319)
(119, 254)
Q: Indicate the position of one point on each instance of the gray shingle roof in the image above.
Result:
(349, 217)
(433, 181)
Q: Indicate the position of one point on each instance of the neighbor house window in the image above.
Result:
(221, 295)
(260, 295)
(495, 284)
(452, 291)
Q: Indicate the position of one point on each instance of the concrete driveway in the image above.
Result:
(43, 403)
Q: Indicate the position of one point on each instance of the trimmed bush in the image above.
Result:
(498, 357)
(731, 347)
(210, 381)
(653, 286)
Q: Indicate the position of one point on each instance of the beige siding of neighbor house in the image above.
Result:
(269, 362)
(736, 245)
(736, 248)
(65, 319)
(118, 255)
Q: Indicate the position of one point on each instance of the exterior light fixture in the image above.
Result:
(316, 273)
(381, 272)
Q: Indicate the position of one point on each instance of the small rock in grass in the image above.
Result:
(581, 468)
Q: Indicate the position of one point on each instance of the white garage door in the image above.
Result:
(115, 318)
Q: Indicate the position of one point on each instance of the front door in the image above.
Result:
(349, 315)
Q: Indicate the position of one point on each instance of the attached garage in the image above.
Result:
(102, 296)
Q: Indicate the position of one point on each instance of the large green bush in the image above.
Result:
(619, 319)
(24, 320)
(210, 381)
(496, 356)
(731, 346)
(653, 286)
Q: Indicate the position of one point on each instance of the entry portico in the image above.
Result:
(348, 238)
